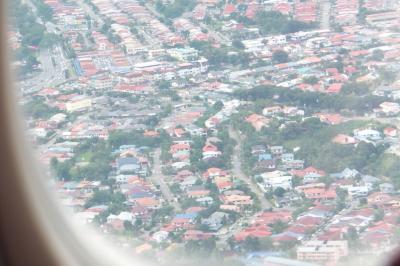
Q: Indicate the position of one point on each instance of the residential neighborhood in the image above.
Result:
(225, 132)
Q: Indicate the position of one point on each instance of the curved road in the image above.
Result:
(237, 170)
(157, 178)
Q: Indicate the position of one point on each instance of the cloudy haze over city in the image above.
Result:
(219, 132)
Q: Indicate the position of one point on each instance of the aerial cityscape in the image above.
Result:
(220, 132)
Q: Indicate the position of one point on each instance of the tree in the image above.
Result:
(202, 248)
(386, 75)
(128, 226)
(44, 11)
(377, 55)
(352, 237)
(280, 57)
(251, 244)
(164, 85)
(341, 194)
(327, 180)
(275, 22)
(176, 8)
(311, 80)
(378, 214)
(237, 44)
(279, 192)
(278, 227)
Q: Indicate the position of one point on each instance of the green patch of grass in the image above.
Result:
(324, 134)
(85, 157)
(317, 149)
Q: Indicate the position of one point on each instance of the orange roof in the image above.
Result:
(147, 202)
(151, 133)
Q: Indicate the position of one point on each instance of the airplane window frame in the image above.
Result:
(33, 228)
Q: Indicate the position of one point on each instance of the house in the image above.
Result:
(228, 10)
(195, 130)
(148, 202)
(117, 221)
(357, 191)
(388, 109)
(369, 180)
(307, 171)
(276, 150)
(187, 182)
(347, 173)
(78, 104)
(287, 157)
(197, 192)
(334, 88)
(390, 132)
(215, 221)
(179, 147)
(160, 236)
(270, 111)
(264, 165)
(237, 200)
(331, 119)
(254, 231)
(367, 134)
(128, 165)
(317, 192)
(378, 198)
(183, 219)
(210, 151)
(258, 149)
(344, 139)
(387, 188)
(272, 180)
(270, 217)
(214, 172)
(294, 164)
(325, 252)
(264, 156)
(205, 201)
(196, 235)
(257, 121)
(223, 185)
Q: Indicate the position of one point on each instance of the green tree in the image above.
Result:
(128, 226)
(311, 80)
(278, 227)
(237, 44)
(251, 244)
(352, 237)
(378, 214)
(280, 56)
(164, 85)
(377, 55)
(279, 192)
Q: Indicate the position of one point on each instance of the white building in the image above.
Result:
(367, 134)
(274, 180)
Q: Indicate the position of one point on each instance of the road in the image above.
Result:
(157, 178)
(325, 14)
(238, 173)
(51, 75)
(216, 35)
(93, 15)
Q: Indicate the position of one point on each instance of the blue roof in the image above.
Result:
(264, 156)
(70, 185)
(186, 215)
(127, 147)
(126, 160)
